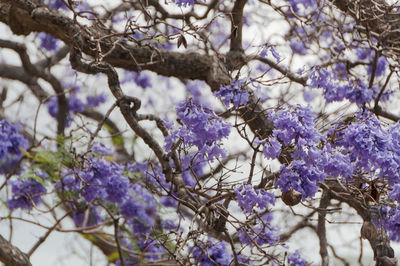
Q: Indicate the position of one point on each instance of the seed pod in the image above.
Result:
(291, 197)
(368, 230)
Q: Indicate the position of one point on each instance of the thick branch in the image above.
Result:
(11, 255)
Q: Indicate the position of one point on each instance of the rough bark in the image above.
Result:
(11, 255)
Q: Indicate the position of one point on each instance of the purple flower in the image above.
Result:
(247, 198)
(201, 128)
(88, 217)
(117, 188)
(47, 41)
(211, 254)
(381, 66)
(25, 192)
(56, 4)
(298, 47)
(233, 93)
(297, 126)
(75, 104)
(196, 89)
(184, 3)
(11, 143)
(364, 54)
(300, 176)
(295, 259)
(101, 149)
(140, 210)
(359, 93)
(272, 149)
(264, 52)
(140, 78)
(94, 101)
(394, 194)
(192, 164)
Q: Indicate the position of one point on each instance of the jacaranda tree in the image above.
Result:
(201, 132)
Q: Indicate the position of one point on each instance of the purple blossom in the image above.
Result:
(56, 4)
(359, 93)
(94, 101)
(340, 71)
(25, 192)
(75, 105)
(47, 41)
(295, 4)
(268, 47)
(196, 89)
(364, 54)
(394, 194)
(300, 176)
(192, 164)
(140, 78)
(184, 3)
(153, 251)
(388, 217)
(272, 149)
(297, 126)
(308, 96)
(11, 143)
(381, 66)
(321, 78)
(233, 93)
(201, 128)
(248, 198)
(211, 254)
(101, 149)
(338, 164)
(295, 259)
(88, 217)
(298, 47)
(117, 188)
(140, 210)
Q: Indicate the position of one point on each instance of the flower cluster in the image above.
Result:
(356, 91)
(301, 176)
(184, 3)
(211, 253)
(75, 105)
(295, 126)
(295, 259)
(25, 193)
(201, 128)
(388, 217)
(233, 93)
(11, 143)
(371, 147)
(107, 181)
(48, 42)
(140, 78)
(87, 216)
(247, 198)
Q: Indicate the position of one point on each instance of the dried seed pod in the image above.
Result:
(368, 230)
(291, 197)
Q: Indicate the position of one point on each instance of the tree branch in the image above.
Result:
(11, 255)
